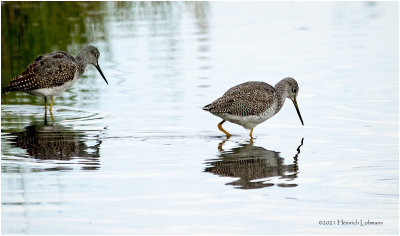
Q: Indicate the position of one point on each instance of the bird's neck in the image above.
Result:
(282, 93)
(82, 62)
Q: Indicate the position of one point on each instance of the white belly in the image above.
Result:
(249, 122)
(54, 91)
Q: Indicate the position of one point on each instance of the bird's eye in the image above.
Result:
(294, 90)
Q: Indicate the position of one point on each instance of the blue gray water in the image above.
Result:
(140, 156)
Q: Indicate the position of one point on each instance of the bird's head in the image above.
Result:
(92, 55)
(293, 90)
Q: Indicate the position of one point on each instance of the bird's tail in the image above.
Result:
(207, 107)
(5, 90)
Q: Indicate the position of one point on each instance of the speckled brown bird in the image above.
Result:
(51, 74)
(252, 103)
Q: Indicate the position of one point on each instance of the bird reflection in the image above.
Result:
(250, 163)
(56, 142)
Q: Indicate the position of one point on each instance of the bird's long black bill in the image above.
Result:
(298, 111)
(101, 73)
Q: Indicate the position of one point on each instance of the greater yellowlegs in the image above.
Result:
(51, 74)
(252, 103)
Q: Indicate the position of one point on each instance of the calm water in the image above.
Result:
(139, 155)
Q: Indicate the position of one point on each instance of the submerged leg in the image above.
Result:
(51, 108)
(220, 128)
(51, 104)
(221, 144)
(251, 133)
(45, 104)
(51, 116)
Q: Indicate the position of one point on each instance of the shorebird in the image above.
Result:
(251, 103)
(51, 74)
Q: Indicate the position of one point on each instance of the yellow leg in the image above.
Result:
(251, 133)
(220, 128)
(51, 104)
(51, 116)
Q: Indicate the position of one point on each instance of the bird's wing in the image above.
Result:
(251, 98)
(50, 70)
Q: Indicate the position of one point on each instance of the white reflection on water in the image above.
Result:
(164, 62)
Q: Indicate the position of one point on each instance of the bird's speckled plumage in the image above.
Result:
(251, 103)
(247, 99)
(47, 71)
(53, 70)
(51, 74)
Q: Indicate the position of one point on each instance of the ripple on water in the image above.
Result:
(72, 141)
(254, 166)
